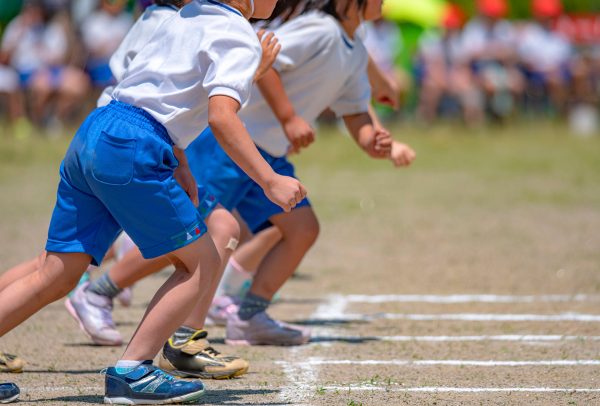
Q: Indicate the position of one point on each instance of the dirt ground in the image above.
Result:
(472, 278)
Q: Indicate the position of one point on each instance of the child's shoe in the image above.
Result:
(262, 330)
(9, 392)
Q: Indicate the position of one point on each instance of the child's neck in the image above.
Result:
(243, 6)
(350, 24)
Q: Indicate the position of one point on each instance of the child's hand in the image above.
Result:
(270, 49)
(386, 92)
(285, 191)
(186, 180)
(402, 154)
(380, 146)
(299, 133)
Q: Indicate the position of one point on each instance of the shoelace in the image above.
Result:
(162, 373)
(212, 351)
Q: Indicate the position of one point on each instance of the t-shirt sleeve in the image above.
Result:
(356, 94)
(231, 64)
(295, 49)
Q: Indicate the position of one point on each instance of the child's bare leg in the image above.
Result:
(224, 231)
(24, 297)
(134, 267)
(300, 229)
(174, 300)
(250, 254)
(21, 270)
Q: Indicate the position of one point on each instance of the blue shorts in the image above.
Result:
(232, 188)
(118, 175)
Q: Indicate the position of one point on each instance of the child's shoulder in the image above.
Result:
(317, 23)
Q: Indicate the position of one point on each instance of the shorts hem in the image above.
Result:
(73, 248)
(170, 246)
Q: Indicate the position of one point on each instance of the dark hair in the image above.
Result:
(175, 3)
(288, 9)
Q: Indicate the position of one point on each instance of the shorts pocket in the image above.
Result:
(113, 160)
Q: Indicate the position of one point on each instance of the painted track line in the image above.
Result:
(483, 298)
(460, 363)
(576, 317)
(444, 389)
(443, 339)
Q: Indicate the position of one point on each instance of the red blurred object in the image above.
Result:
(581, 29)
(546, 8)
(493, 8)
(454, 17)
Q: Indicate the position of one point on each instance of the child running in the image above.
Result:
(126, 165)
(314, 45)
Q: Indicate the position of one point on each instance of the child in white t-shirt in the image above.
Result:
(322, 64)
(127, 165)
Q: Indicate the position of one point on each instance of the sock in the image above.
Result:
(183, 334)
(125, 366)
(104, 286)
(252, 305)
(233, 279)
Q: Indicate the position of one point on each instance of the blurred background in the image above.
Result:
(470, 62)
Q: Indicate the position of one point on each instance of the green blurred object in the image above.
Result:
(426, 13)
(8, 10)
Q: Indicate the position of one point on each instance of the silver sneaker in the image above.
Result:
(220, 309)
(262, 330)
(94, 315)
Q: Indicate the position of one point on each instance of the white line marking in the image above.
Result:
(474, 363)
(435, 389)
(470, 298)
(301, 377)
(434, 339)
(579, 317)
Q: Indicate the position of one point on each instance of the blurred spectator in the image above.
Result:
(37, 49)
(489, 42)
(10, 90)
(444, 71)
(546, 54)
(102, 34)
(384, 41)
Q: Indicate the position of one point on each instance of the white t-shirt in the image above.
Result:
(138, 36)
(542, 49)
(320, 68)
(34, 48)
(478, 37)
(206, 49)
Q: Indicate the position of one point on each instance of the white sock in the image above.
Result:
(124, 366)
(233, 279)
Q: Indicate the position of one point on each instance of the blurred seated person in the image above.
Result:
(102, 32)
(443, 71)
(490, 42)
(546, 54)
(37, 49)
(10, 91)
(383, 40)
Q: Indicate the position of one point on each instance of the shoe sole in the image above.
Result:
(11, 399)
(249, 343)
(190, 397)
(206, 375)
(95, 340)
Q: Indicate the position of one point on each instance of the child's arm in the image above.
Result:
(270, 49)
(233, 137)
(384, 90)
(297, 130)
(376, 143)
(400, 154)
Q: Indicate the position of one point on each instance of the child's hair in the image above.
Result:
(175, 3)
(288, 9)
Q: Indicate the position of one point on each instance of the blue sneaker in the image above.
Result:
(9, 392)
(149, 385)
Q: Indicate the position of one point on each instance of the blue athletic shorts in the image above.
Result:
(118, 175)
(233, 189)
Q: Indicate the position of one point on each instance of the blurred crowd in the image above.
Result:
(54, 59)
(490, 67)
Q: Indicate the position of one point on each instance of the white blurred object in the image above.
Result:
(584, 120)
